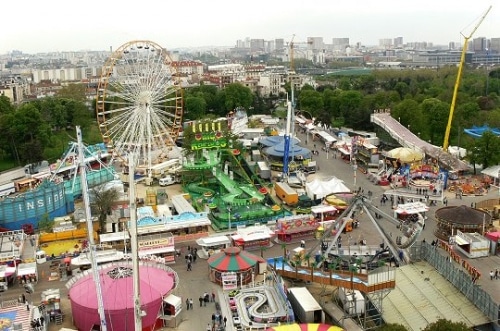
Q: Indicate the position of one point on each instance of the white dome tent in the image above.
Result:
(319, 189)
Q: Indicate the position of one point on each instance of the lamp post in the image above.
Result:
(229, 217)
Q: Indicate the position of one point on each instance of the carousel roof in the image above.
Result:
(405, 154)
(305, 327)
(294, 150)
(274, 140)
(463, 215)
(233, 259)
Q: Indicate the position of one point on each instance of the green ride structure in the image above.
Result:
(219, 180)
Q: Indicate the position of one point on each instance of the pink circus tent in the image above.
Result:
(117, 294)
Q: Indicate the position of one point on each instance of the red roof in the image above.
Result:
(233, 259)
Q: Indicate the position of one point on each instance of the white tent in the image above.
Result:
(318, 189)
(493, 171)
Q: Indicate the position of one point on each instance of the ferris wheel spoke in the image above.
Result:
(141, 101)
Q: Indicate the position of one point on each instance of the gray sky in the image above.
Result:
(56, 25)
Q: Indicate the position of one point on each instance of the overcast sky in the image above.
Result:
(56, 25)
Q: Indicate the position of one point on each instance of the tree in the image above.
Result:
(102, 202)
(436, 113)
(488, 149)
(446, 325)
(74, 91)
(236, 95)
(45, 224)
(311, 101)
(195, 107)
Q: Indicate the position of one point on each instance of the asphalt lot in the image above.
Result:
(194, 283)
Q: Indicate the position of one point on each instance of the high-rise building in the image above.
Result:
(479, 44)
(340, 44)
(315, 43)
(385, 43)
(495, 45)
(257, 45)
(279, 44)
(398, 42)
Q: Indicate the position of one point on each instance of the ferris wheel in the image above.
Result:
(139, 103)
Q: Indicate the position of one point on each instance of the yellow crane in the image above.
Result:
(457, 82)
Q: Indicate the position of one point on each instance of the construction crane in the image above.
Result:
(291, 45)
(457, 82)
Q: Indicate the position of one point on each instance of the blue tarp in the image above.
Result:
(477, 131)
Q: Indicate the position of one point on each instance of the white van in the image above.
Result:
(167, 180)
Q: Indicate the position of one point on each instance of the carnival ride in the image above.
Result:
(139, 103)
(362, 268)
(222, 181)
(458, 79)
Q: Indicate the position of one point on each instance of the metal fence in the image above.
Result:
(457, 277)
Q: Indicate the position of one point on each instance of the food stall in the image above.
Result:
(297, 226)
(51, 299)
(255, 236)
(6, 276)
(410, 211)
(27, 273)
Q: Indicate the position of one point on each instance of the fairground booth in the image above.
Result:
(240, 265)
(410, 211)
(296, 227)
(253, 237)
(467, 220)
(472, 245)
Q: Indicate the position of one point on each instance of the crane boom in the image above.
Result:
(457, 82)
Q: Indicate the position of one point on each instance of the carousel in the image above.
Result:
(463, 218)
(235, 261)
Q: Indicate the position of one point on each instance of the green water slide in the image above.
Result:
(234, 191)
(210, 161)
(195, 188)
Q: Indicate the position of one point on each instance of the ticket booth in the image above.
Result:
(172, 306)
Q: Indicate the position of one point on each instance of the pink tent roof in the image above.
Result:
(117, 294)
(493, 235)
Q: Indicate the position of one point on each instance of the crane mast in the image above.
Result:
(457, 82)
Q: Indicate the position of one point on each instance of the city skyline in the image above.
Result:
(50, 26)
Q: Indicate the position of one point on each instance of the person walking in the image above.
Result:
(187, 304)
(213, 296)
(496, 273)
(191, 303)
(492, 274)
(201, 300)
(225, 321)
(189, 266)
